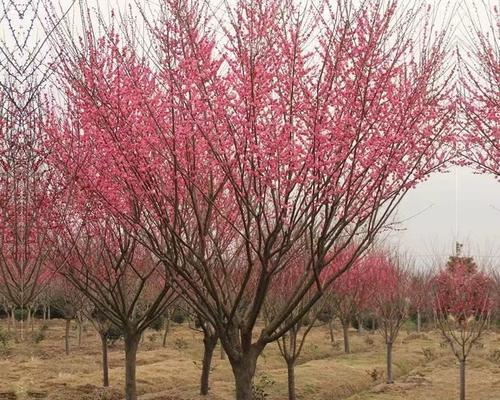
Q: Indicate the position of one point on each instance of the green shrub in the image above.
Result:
(21, 314)
(113, 334)
(38, 336)
(179, 316)
(4, 338)
(157, 324)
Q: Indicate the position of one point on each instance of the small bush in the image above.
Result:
(39, 336)
(157, 324)
(181, 344)
(4, 339)
(178, 316)
(21, 314)
(429, 354)
(113, 334)
(376, 374)
(259, 388)
(494, 356)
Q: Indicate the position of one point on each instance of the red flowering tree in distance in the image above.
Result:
(349, 294)
(225, 153)
(389, 300)
(462, 304)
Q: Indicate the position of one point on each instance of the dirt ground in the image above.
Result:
(41, 370)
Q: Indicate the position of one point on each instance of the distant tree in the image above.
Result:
(462, 304)
(389, 300)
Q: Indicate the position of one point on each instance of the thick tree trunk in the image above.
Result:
(209, 346)
(291, 380)
(244, 371)
(462, 379)
(222, 352)
(105, 369)
(66, 336)
(389, 363)
(345, 328)
(418, 322)
(131, 346)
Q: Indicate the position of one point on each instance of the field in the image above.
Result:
(41, 370)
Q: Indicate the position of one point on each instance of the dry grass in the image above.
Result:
(29, 370)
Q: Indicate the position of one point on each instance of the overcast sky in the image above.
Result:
(459, 205)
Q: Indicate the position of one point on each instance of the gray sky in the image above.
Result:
(458, 205)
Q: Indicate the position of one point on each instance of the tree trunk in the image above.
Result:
(330, 328)
(105, 373)
(131, 346)
(9, 321)
(222, 352)
(360, 326)
(345, 328)
(48, 312)
(209, 343)
(389, 363)
(244, 371)
(66, 336)
(291, 380)
(80, 333)
(167, 328)
(44, 308)
(462, 379)
(418, 322)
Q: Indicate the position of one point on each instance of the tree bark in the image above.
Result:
(48, 312)
(131, 346)
(222, 352)
(209, 346)
(80, 333)
(244, 371)
(389, 363)
(105, 368)
(462, 379)
(167, 328)
(66, 336)
(345, 328)
(330, 328)
(291, 380)
(419, 322)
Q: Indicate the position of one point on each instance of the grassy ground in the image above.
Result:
(29, 370)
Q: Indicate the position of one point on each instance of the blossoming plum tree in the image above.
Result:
(249, 134)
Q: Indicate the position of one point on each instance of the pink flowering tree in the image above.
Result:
(462, 304)
(480, 70)
(292, 342)
(225, 153)
(29, 190)
(349, 296)
(389, 300)
(419, 294)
